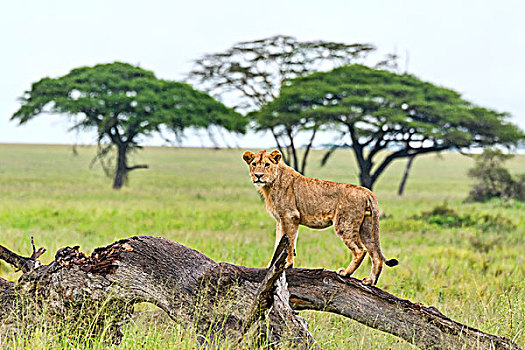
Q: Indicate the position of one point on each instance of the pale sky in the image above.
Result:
(474, 47)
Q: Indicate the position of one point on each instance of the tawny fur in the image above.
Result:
(293, 199)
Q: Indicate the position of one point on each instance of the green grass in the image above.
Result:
(203, 198)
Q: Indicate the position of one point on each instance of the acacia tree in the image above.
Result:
(251, 73)
(389, 116)
(123, 103)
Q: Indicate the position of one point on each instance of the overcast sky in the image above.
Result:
(475, 47)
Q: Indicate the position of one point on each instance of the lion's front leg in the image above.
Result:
(290, 227)
(278, 234)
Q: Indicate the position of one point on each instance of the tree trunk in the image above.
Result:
(293, 151)
(219, 299)
(307, 151)
(366, 179)
(121, 173)
(405, 175)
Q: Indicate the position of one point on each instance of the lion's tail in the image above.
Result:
(391, 262)
(372, 200)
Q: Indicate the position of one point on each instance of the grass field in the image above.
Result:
(204, 199)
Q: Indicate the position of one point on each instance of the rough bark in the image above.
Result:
(213, 298)
(271, 308)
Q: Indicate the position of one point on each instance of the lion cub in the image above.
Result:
(293, 199)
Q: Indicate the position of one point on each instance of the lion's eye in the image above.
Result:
(266, 165)
(253, 164)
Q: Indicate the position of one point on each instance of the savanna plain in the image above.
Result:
(204, 199)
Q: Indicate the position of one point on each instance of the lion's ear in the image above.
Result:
(275, 156)
(248, 156)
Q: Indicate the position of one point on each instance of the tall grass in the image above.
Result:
(203, 198)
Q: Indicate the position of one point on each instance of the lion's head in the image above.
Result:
(263, 166)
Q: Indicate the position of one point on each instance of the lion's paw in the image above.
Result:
(367, 280)
(341, 271)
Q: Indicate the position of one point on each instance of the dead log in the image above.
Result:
(213, 298)
(264, 297)
(271, 306)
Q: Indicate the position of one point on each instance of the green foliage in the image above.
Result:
(123, 103)
(254, 70)
(495, 181)
(125, 97)
(443, 215)
(251, 73)
(382, 111)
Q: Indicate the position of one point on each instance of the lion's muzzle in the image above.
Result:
(258, 179)
(259, 183)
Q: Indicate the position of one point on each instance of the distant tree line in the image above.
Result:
(291, 89)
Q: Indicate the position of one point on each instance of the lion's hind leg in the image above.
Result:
(372, 245)
(349, 233)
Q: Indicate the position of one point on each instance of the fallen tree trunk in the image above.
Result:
(218, 299)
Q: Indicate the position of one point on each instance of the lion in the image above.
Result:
(293, 199)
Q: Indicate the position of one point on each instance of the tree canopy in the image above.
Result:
(122, 103)
(251, 73)
(377, 110)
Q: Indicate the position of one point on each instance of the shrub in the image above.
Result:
(444, 216)
(495, 181)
